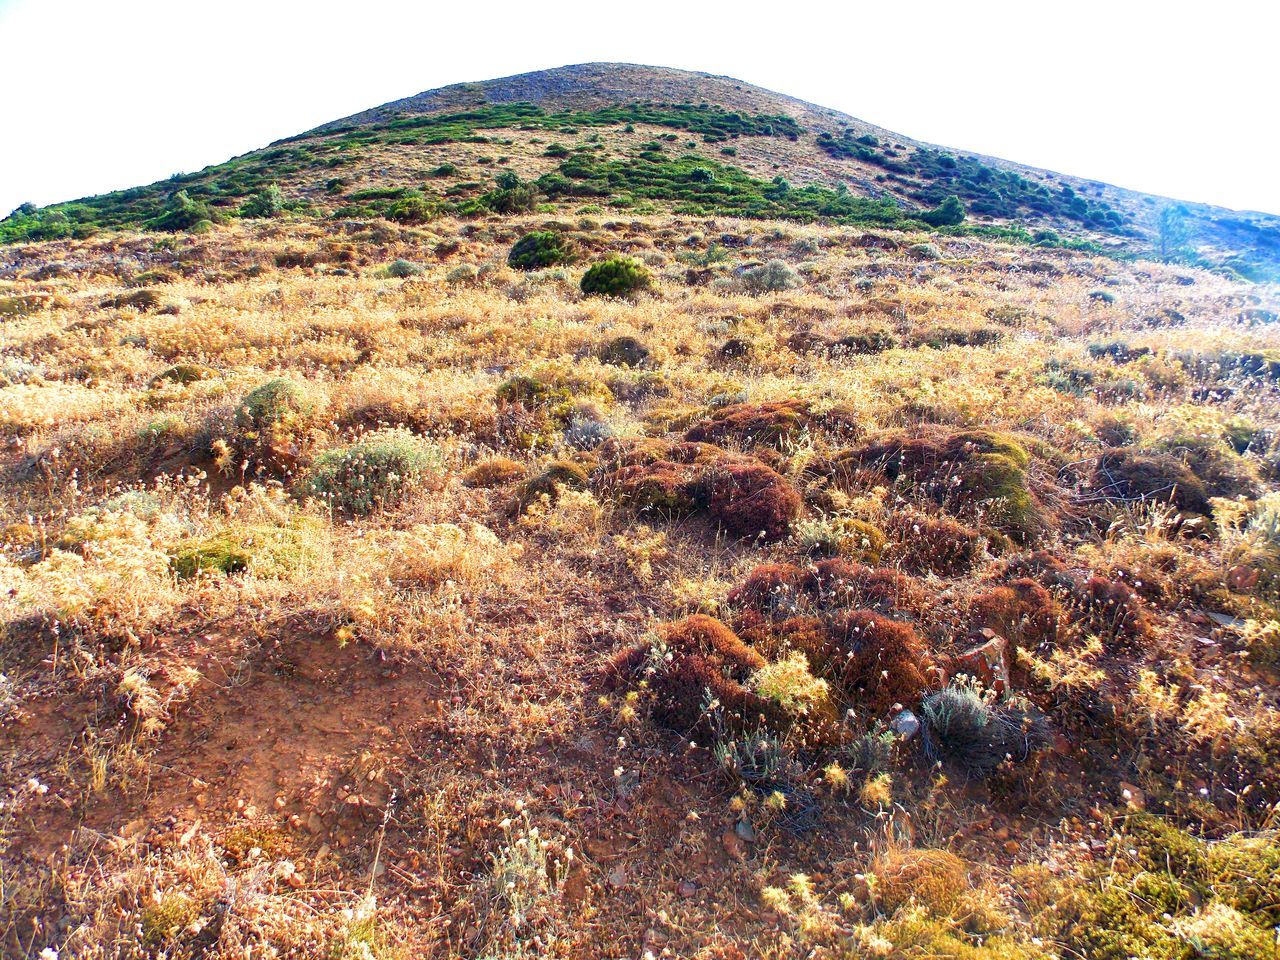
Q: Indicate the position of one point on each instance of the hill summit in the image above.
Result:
(639, 138)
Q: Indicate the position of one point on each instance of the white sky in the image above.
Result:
(1167, 97)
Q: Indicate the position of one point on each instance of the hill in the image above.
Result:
(645, 138)
(702, 568)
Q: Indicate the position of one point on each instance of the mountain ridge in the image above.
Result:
(830, 152)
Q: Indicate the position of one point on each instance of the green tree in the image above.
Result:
(946, 214)
(1173, 236)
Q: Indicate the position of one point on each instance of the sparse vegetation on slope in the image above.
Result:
(508, 577)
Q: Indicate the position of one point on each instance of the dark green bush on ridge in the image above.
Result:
(539, 249)
(267, 202)
(617, 276)
(183, 213)
(948, 213)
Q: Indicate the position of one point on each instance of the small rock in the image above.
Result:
(906, 725)
(987, 662)
(745, 831)
(686, 888)
(617, 877)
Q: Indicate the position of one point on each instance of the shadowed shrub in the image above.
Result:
(540, 249)
(977, 474)
(1125, 474)
(1113, 611)
(776, 589)
(745, 497)
(624, 352)
(976, 737)
(493, 473)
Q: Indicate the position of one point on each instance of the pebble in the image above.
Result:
(686, 888)
(906, 725)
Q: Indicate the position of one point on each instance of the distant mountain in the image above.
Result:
(636, 138)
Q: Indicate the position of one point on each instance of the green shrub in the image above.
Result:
(182, 213)
(377, 472)
(772, 277)
(948, 213)
(266, 550)
(539, 249)
(403, 268)
(267, 202)
(276, 407)
(413, 208)
(617, 276)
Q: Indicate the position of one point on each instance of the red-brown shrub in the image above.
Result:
(844, 583)
(873, 661)
(703, 658)
(770, 588)
(1040, 566)
(938, 545)
(753, 424)
(660, 487)
(1114, 612)
(749, 500)
(1023, 612)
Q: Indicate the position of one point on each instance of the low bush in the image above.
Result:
(978, 474)
(1113, 611)
(770, 424)
(1126, 475)
(772, 277)
(403, 268)
(184, 374)
(924, 544)
(873, 662)
(493, 473)
(375, 473)
(616, 277)
(557, 474)
(267, 202)
(540, 249)
(694, 663)
(274, 417)
(1022, 611)
(623, 352)
(970, 733)
(749, 500)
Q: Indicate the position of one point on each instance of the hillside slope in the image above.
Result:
(449, 565)
(606, 150)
